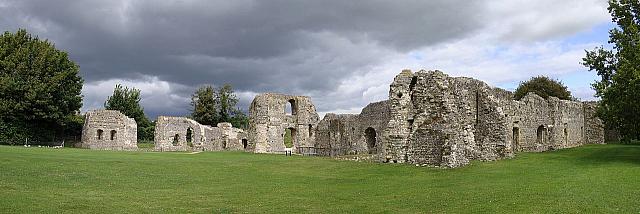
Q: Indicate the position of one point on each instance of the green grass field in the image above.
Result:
(589, 179)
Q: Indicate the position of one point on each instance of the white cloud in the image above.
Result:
(343, 60)
(156, 96)
(527, 21)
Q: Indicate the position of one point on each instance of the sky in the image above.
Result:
(343, 54)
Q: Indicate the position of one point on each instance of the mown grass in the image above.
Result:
(146, 145)
(588, 179)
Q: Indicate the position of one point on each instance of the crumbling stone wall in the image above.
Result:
(184, 134)
(233, 138)
(353, 134)
(594, 129)
(109, 130)
(268, 122)
(446, 121)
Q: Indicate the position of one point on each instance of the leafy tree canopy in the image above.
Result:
(214, 105)
(544, 87)
(39, 89)
(619, 70)
(204, 106)
(127, 101)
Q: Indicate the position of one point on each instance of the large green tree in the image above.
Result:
(203, 102)
(619, 70)
(214, 105)
(39, 89)
(544, 87)
(127, 101)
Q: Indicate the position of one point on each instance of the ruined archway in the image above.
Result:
(371, 137)
(291, 107)
(113, 134)
(289, 137)
(540, 134)
(515, 139)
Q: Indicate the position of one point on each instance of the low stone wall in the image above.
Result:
(353, 134)
(183, 134)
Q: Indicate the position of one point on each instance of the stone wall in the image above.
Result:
(445, 121)
(233, 138)
(595, 131)
(184, 134)
(353, 134)
(268, 122)
(109, 130)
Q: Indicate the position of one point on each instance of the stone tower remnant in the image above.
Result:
(269, 121)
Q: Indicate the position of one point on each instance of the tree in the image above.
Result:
(619, 71)
(204, 106)
(544, 87)
(127, 101)
(212, 106)
(39, 89)
(228, 110)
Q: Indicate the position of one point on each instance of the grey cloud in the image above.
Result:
(299, 47)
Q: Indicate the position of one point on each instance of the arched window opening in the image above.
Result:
(113, 134)
(99, 134)
(189, 135)
(291, 108)
(540, 133)
(289, 137)
(310, 130)
(245, 143)
(516, 139)
(175, 139)
(370, 135)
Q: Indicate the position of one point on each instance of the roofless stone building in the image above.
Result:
(430, 118)
(184, 134)
(109, 130)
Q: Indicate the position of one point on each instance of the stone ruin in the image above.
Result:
(348, 134)
(430, 118)
(109, 130)
(438, 120)
(448, 121)
(269, 120)
(184, 134)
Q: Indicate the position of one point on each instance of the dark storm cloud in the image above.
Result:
(302, 47)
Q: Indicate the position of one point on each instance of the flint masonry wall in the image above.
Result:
(353, 134)
(446, 121)
(183, 134)
(233, 138)
(268, 122)
(109, 130)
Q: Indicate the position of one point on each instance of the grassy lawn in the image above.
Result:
(589, 179)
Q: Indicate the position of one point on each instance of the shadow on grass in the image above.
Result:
(611, 153)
